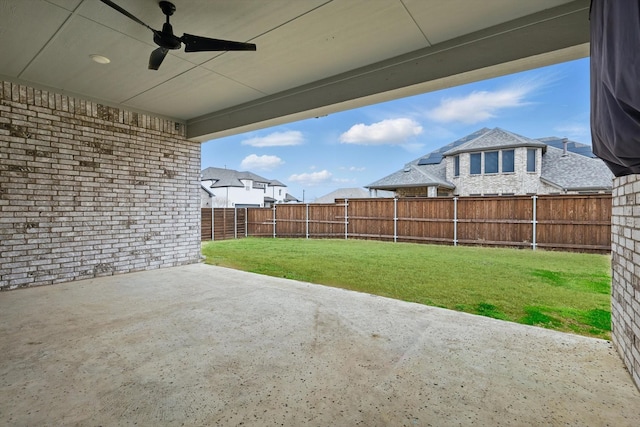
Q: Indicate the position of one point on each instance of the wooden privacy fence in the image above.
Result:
(222, 223)
(566, 222)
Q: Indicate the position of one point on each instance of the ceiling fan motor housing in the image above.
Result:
(167, 7)
(166, 39)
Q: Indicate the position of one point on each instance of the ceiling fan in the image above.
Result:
(167, 40)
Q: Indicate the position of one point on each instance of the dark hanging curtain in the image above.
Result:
(615, 84)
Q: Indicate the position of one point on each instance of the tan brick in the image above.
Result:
(84, 211)
(625, 312)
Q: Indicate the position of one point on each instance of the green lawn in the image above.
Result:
(557, 290)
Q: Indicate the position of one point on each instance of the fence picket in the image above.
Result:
(564, 222)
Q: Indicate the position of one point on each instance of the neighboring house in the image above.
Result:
(493, 162)
(228, 188)
(349, 193)
(343, 193)
(288, 198)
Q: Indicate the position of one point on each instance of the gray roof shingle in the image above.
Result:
(426, 170)
(289, 198)
(414, 175)
(574, 147)
(578, 170)
(495, 139)
(343, 193)
(574, 171)
(231, 178)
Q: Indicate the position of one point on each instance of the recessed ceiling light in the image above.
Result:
(100, 59)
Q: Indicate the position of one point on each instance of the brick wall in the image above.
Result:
(88, 190)
(519, 182)
(429, 191)
(625, 296)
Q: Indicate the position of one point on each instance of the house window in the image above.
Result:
(491, 162)
(531, 159)
(456, 166)
(507, 161)
(475, 163)
(280, 192)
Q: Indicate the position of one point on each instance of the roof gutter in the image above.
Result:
(589, 189)
(546, 181)
(393, 187)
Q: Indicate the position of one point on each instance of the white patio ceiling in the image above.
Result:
(313, 57)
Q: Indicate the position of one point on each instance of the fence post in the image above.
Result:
(235, 223)
(534, 222)
(274, 221)
(307, 221)
(346, 218)
(246, 222)
(395, 219)
(455, 221)
(213, 234)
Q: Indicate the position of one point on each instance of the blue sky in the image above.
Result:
(356, 147)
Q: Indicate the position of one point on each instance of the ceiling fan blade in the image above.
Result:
(204, 44)
(125, 13)
(156, 58)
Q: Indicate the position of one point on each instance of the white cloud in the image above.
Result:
(276, 139)
(255, 162)
(313, 178)
(391, 131)
(479, 106)
(353, 168)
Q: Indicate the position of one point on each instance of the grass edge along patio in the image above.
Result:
(563, 291)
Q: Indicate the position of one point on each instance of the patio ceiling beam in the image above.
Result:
(551, 36)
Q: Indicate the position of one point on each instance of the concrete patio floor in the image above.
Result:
(203, 345)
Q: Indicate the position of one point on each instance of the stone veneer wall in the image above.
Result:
(625, 292)
(89, 190)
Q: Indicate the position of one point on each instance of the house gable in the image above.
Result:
(495, 139)
(233, 188)
(499, 162)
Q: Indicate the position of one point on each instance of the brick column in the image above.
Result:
(625, 293)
